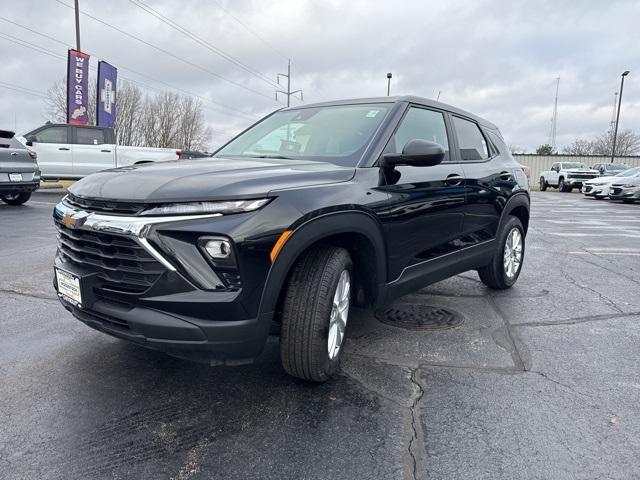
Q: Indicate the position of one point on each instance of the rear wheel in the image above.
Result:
(543, 185)
(504, 269)
(315, 313)
(16, 198)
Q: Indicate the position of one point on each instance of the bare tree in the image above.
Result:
(627, 143)
(515, 149)
(56, 102)
(166, 119)
(129, 105)
(579, 146)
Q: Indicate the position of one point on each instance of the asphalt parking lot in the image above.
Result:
(541, 381)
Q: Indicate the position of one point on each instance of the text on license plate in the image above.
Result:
(69, 287)
(15, 177)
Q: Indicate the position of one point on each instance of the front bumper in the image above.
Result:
(595, 190)
(624, 193)
(575, 182)
(132, 289)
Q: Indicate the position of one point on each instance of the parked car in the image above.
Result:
(19, 173)
(72, 151)
(599, 187)
(311, 210)
(566, 176)
(626, 189)
(609, 169)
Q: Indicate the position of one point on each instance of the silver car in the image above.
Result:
(19, 173)
(626, 189)
(599, 187)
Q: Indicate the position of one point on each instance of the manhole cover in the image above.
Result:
(419, 317)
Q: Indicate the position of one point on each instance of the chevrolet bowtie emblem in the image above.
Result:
(74, 220)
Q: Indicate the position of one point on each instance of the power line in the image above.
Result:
(20, 89)
(202, 41)
(166, 52)
(135, 82)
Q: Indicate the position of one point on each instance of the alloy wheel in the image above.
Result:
(339, 314)
(512, 253)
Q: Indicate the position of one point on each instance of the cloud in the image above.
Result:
(496, 58)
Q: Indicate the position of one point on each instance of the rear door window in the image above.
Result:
(89, 136)
(471, 142)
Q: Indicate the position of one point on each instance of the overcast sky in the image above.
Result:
(497, 59)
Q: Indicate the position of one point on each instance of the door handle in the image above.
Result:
(63, 148)
(454, 180)
(13, 154)
(105, 151)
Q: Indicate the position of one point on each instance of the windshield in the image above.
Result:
(336, 134)
(617, 166)
(573, 165)
(629, 173)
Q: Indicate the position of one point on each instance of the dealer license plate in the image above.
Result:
(69, 287)
(15, 177)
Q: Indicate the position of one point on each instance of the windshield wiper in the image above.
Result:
(276, 157)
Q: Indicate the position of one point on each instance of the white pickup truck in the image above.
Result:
(69, 152)
(565, 176)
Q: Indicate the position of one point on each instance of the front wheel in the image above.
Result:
(504, 269)
(315, 313)
(561, 185)
(16, 198)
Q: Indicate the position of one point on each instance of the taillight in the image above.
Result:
(179, 154)
(33, 154)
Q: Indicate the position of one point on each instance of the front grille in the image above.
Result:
(616, 191)
(582, 176)
(105, 206)
(588, 188)
(123, 265)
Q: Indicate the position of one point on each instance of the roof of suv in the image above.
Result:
(406, 98)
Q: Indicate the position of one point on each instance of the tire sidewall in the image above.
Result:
(331, 365)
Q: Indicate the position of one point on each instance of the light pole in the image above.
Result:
(615, 131)
(389, 75)
(77, 9)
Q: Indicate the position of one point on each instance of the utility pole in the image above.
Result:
(554, 119)
(389, 75)
(288, 93)
(612, 123)
(615, 131)
(77, 26)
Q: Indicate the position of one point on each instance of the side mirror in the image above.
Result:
(29, 140)
(416, 153)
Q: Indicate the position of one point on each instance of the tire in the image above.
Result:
(561, 186)
(16, 198)
(543, 185)
(310, 319)
(496, 275)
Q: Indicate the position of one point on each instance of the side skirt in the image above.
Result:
(436, 269)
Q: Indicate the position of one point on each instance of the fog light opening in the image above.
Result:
(218, 249)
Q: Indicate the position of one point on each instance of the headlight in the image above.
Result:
(597, 184)
(193, 208)
(630, 185)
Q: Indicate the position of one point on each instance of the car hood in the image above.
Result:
(609, 179)
(582, 170)
(207, 179)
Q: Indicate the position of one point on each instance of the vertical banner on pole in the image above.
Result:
(77, 88)
(106, 108)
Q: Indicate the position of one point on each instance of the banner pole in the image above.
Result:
(77, 26)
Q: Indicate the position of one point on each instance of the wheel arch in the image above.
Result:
(359, 232)
(518, 206)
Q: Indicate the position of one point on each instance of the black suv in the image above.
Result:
(310, 211)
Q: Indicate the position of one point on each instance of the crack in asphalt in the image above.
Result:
(516, 355)
(577, 320)
(415, 417)
(567, 276)
(564, 385)
(27, 294)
